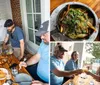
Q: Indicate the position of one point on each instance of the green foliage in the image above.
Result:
(96, 50)
(93, 48)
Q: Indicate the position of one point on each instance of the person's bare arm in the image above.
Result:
(98, 71)
(65, 73)
(5, 41)
(94, 76)
(21, 49)
(34, 59)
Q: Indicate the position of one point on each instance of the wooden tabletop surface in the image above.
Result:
(10, 60)
(81, 81)
(94, 4)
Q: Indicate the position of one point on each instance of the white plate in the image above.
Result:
(57, 10)
(5, 71)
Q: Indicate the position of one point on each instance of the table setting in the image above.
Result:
(10, 74)
(82, 79)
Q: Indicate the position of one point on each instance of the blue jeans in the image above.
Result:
(32, 69)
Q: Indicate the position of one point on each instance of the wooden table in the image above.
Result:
(11, 59)
(94, 4)
(80, 81)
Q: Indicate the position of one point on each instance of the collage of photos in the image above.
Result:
(73, 63)
(49, 42)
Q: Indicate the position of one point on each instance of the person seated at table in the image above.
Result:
(57, 72)
(72, 63)
(38, 65)
(16, 36)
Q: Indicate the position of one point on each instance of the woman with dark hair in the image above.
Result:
(72, 63)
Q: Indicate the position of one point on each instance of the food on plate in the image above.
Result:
(3, 60)
(2, 74)
(76, 23)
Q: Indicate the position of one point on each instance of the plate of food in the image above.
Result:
(3, 73)
(3, 60)
(75, 21)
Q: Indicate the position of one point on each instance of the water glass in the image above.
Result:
(14, 71)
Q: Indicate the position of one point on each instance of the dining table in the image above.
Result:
(82, 79)
(6, 61)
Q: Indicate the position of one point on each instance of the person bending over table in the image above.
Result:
(16, 36)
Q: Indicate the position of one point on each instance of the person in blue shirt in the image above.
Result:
(16, 37)
(40, 71)
(72, 63)
(57, 72)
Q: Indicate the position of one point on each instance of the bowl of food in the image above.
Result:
(77, 21)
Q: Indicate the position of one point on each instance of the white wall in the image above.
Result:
(5, 9)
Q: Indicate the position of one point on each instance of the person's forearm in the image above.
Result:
(66, 73)
(94, 76)
(46, 84)
(33, 60)
(21, 50)
(4, 45)
(5, 41)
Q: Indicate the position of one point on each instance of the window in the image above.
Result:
(33, 12)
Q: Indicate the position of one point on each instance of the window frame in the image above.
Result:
(45, 15)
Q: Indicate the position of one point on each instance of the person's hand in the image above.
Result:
(36, 82)
(5, 46)
(85, 70)
(22, 64)
(20, 57)
(79, 71)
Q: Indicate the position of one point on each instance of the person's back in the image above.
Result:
(15, 37)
